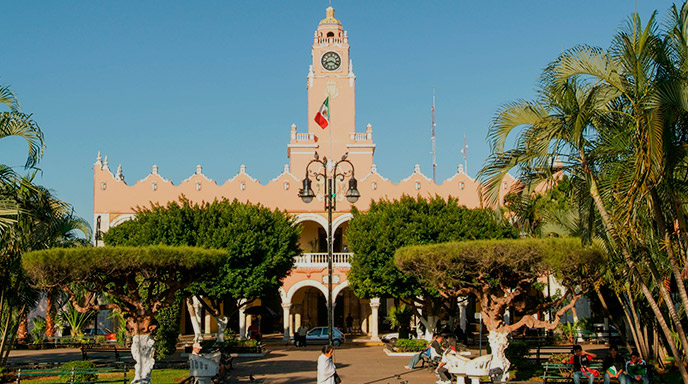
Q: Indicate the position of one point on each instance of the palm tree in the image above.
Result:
(645, 72)
(16, 123)
(606, 113)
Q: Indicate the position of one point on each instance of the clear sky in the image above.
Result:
(180, 83)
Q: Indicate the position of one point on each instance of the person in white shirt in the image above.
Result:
(326, 369)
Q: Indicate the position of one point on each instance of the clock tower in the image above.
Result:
(331, 74)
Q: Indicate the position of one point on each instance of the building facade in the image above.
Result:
(304, 292)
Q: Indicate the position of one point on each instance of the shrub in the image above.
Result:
(517, 352)
(67, 376)
(413, 345)
(231, 346)
(167, 333)
(38, 330)
(558, 358)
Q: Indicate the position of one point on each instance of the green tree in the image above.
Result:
(617, 119)
(141, 281)
(503, 275)
(16, 123)
(375, 235)
(260, 244)
(14, 298)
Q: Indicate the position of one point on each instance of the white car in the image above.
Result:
(392, 337)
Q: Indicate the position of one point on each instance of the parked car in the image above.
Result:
(602, 336)
(392, 337)
(92, 333)
(319, 335)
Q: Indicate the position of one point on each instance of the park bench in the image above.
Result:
(27, 374)
(563, 372)
(99, 350)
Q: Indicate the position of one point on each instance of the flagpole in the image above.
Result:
(329, 113)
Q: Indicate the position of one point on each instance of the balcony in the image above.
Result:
(319, 260)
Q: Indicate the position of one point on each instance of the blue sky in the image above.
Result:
(180, 83)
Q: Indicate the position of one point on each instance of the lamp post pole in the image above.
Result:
(328, 202)
(328, 178)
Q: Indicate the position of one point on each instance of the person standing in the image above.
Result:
(349, 323)
(581, 359)
(327, 372)
(302, 331)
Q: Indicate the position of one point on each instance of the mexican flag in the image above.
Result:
(323, 115)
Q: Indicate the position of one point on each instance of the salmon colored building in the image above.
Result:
(304, 292)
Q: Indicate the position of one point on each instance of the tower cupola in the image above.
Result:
(329, 18)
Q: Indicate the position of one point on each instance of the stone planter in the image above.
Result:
(399, 354)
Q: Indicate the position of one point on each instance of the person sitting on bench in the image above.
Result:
(433, 351)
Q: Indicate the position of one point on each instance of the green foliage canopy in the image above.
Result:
(142, 280)
(504, 273)
(375, 235)
(260, 244)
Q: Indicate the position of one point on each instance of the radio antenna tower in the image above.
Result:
(434, 152)
(464, 150)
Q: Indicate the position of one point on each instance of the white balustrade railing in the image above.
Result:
(359, 136)
(332, 40)
(312, 260)
(304, 136)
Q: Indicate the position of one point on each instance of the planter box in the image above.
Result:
(259, 354)
(399, 354)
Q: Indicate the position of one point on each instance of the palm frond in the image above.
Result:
(8, 98)
(22, 125)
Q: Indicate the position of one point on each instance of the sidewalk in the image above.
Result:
(357, 362)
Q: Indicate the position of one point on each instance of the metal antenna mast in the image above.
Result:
(434, 152)
(464, 150)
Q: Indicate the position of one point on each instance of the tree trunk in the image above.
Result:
(49, 315)
(664, 232)
(594, 193)
(633, 326)
(195, 317)
(10, 332)
(22, 330)
(611, 317)
(499, 342)
(142, 350)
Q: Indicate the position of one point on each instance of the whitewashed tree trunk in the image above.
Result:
(142, 348)
(194, 308)
(429, 323)
(498, 343)
(221, 326)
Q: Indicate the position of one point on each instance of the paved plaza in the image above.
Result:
(358, 363)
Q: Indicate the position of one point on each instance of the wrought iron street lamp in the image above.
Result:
(328, 173)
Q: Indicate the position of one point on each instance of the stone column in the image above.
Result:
(374, 306)
(242, 324)
(286, 309)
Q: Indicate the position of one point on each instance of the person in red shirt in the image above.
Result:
(581, 360)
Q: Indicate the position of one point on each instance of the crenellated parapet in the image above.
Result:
(117, 199)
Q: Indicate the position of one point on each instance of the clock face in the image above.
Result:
(331, 60)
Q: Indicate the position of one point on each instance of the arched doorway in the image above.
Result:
(309, 307)
(347, 304)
